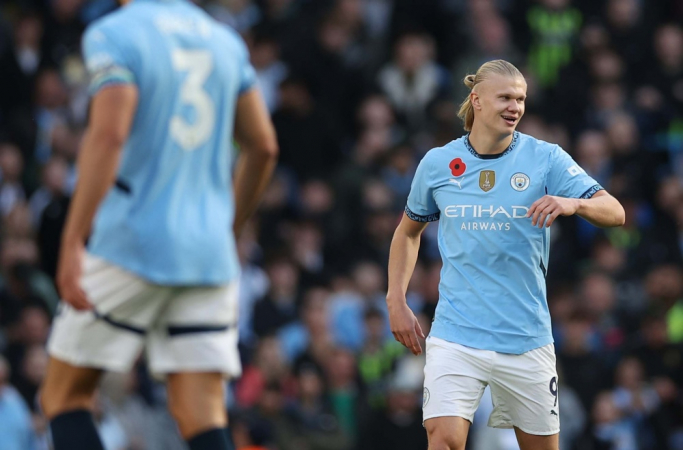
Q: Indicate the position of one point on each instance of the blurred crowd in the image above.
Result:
(359, 90)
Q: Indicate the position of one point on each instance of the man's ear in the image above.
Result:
(476, 101)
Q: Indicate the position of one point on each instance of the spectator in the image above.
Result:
(664, 285)
(254, 283)
(399, 423)
(346, 397)
(348, 307)
(15, 418)
(267, 367)
(413, 80)
(309, 341)
(378, 357)
(583, 369)
(610, 430)
(51, 116)
(627, 29)
(311, 419)
(309, 143)
(554, 25)
(270, 70)
(20, 62)
(11, 167)
(593, 155)
(280, 305)
(238, 14)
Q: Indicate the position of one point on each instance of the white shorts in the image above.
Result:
(523, 387)
(182, 328)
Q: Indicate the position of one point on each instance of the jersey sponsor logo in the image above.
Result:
(487, 179)
(485, 212)
(519, 182)
(488, 211)
(457, 167)
(575, 170)
(485, 226)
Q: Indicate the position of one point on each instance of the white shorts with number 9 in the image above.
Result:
(523, 387)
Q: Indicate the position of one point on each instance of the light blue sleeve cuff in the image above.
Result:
(110, 76)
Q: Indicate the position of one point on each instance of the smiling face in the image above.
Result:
(498, 103)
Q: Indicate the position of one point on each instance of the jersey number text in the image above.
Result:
(191, 135)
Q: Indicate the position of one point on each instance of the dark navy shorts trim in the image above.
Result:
(117, 324)
(179, 330)
(122, 186)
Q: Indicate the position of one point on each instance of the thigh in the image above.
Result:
(525, 394)
(111, 335)
(528, 441)
(447, 432)
(197, 332)
(455, 379)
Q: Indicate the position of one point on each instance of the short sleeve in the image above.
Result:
(421, 206)
(105, 60)
(246, 70)
(567, 179)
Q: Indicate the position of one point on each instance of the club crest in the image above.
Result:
(519, 182)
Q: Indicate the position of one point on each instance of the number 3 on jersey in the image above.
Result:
(191, 135)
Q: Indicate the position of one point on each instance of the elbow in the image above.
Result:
(268, 150)
(617, 218)
(620, 217)
(271, 151)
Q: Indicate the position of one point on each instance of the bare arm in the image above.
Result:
(255, 134)
(402, 258)
(111, 115)
(602, 210)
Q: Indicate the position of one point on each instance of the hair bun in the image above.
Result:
(469, 81)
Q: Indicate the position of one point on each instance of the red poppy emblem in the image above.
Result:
(457, 167)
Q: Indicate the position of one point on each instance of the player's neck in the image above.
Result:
(487, 143)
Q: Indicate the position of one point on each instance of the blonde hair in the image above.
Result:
(495, 67)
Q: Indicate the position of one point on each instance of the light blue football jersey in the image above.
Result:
(169, 217)
(492, 293)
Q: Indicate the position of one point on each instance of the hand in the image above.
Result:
(69, 276)
(548, 208)
(405, 327)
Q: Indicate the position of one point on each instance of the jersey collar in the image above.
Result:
(513, 144)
